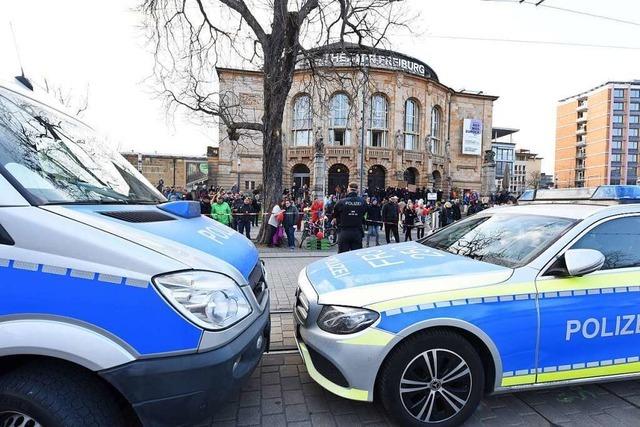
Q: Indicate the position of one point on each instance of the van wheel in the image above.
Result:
(54, 394)
(432, 379)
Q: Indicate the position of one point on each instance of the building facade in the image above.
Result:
(380, 115)
(184, 172)
(503, 149)
(597, 136)
(527, 171)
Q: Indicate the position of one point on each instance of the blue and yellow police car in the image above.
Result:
(540, 294)
(116, 307)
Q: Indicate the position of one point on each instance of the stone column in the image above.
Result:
(319, 175)
(488, 179)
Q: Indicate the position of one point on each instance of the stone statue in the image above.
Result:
(427, 144)
(399, 141)
(319, 143)
(489, 156)
(447, 149)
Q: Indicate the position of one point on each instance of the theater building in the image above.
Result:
(417, 131)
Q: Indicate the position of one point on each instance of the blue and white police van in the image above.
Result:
(116, 307)
(541, 294)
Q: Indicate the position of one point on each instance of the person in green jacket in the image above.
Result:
(221, 212)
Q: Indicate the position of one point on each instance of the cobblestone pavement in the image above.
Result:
(281, 393)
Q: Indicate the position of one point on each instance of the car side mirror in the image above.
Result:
(583, 261)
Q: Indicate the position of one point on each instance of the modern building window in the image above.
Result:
(632, 158)
(634, 131)
(632, 145)
(616, 132)
(618, 119)
(635, 93)
(634, 119)
(616, 158)
(618, 106)
(339, 119)
(634, 106)
(302, 121)
(379, 121)
(616, 145)
(618, 93)
(411, 124)
(436, 132)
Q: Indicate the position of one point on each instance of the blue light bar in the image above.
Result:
(617, 192)
(612, 194)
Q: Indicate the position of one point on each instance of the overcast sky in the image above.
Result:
(80, 43)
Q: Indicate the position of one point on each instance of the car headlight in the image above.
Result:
(210, 300)
(345, 320)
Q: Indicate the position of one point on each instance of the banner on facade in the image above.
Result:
(472, 137)
(197, 172)
(432, 196)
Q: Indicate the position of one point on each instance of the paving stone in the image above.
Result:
(296, 412)
(276, 420)
(271, 391)
(293, 397)
(249, 416)
(271, 406)
(249, 398)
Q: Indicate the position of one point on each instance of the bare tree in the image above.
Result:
(191, 37)
(76, 103)
(533, 180)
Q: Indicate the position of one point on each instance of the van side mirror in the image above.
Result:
(583, 261)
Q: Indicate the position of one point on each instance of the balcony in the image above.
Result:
(298, 152)
(378, 154)
(581, 131)
(414, 156)
(348, 152)
(582, 118)
(582, 107)
(581, 155)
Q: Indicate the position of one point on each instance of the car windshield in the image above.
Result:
(58, 160)
(508, 240)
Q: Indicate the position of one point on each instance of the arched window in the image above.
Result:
(436, 133)
(339, 119)
(379, 121)
(302, 121)
(411, 124)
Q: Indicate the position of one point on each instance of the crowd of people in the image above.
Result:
(401, 213)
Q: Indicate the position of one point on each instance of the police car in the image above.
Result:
(116, 307)
(541, 294)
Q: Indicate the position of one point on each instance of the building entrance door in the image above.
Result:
(338, 179)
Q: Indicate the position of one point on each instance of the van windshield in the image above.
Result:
(59, 160)
(507, 240)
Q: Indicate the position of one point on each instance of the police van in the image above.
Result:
(541, 294)
(116, 307)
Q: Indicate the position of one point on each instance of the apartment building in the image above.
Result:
(597, 136)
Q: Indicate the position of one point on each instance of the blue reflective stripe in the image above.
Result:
(511, 323)
(129, 309)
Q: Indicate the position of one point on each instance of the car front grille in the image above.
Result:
(302, 305)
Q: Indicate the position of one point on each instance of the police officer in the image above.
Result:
(349, 216)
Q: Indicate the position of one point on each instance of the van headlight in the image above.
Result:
(345, 320)
(210, 300)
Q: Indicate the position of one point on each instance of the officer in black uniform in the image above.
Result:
(349, 216)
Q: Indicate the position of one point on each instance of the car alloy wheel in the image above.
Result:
(17, 419)
(436, 385)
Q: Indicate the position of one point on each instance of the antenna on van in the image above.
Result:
(21, 78)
